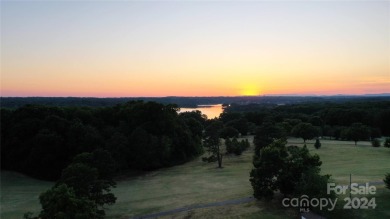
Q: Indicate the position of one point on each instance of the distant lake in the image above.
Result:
(211, 111)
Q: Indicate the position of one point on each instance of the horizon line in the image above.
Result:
(264, 95)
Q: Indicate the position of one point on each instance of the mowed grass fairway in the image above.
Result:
(341, 158)
(20, 194)
(197, 182)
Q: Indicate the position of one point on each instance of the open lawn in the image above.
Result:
(341, 158)
(20, 194)
(197, 182)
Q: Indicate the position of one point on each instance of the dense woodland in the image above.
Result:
(331, 118)
(41, 140)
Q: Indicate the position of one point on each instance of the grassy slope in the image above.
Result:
(197, 182)
(20, 194)
(192, 183)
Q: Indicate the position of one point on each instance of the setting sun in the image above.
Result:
(250, 90)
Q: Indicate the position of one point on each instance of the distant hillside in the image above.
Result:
(15, 102)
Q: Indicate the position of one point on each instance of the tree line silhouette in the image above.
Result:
(338, 121)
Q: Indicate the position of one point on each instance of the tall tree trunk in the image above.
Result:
(219, 156)
(220, 161)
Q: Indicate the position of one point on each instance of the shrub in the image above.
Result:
(387, 180)
(387, 143)
(236, 147)
(375, 143)
(210, 159)
(245, 144)
(317, 145)
(229, 145)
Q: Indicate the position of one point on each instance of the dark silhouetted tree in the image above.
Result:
(61, 201)
(358, 132)
(266, 134)
(285, 169)
(375, 142)
(212, 141)
(228, 132)
(317, 145)
(306, 131)
(241, 125)
(387, 180)
(267, 167)
(387, 143)
(83, 189)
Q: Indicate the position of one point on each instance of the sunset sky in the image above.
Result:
(194, 48)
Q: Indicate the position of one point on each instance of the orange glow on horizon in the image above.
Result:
(221, 83)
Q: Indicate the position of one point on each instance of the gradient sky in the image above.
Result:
(195, 48)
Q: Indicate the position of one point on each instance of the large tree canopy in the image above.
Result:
(358, 132)
(306, 131)
(286, 169)
(83, 190)
(213, 143)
